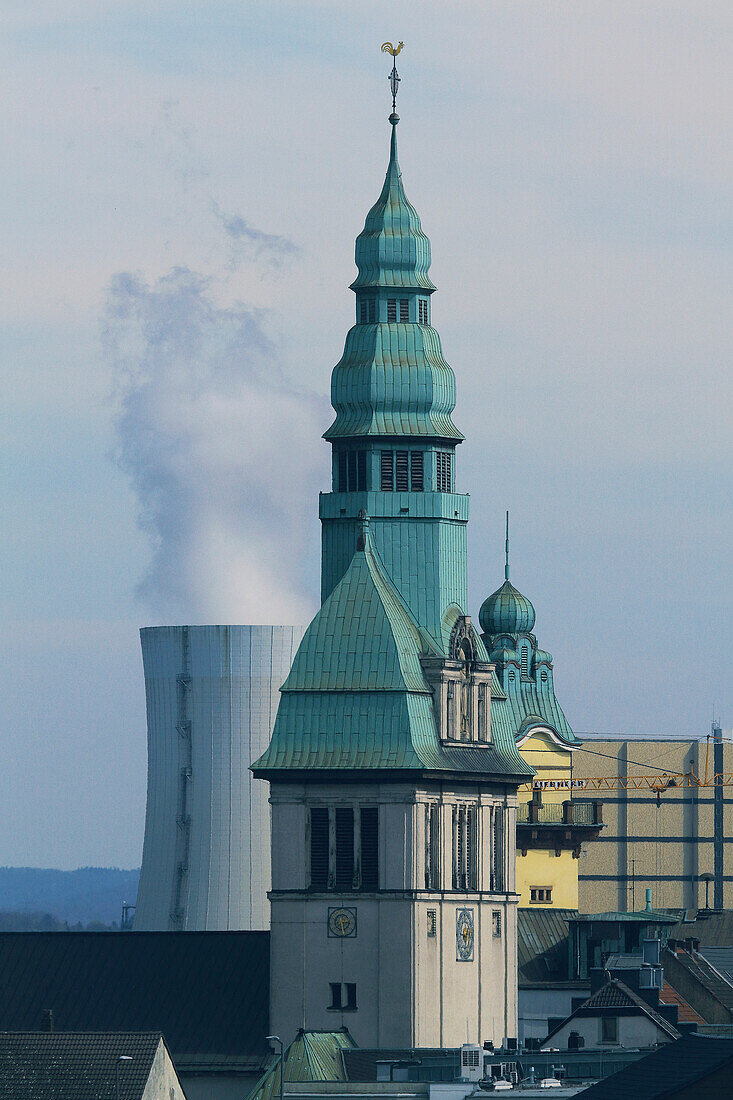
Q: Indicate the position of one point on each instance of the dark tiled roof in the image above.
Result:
(665, 1072)
(75, 1066)
(207, 992)
(542, 944)
(616, 995)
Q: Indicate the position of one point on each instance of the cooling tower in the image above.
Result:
(211, 694)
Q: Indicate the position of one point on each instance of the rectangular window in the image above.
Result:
(497, 853)
(369, 848)
(541, 895)
(387, 471)
(404, 310)
(422, 311)
(472, 848)
(319, 847)
(432, 923)
(432, 846)
(361, 471)
(363, 311)
(335, 988)
(372, 310)
(350, 996)
(344, 848)
(352, 470)
(401, 471)
(444, 471)
(391, 309)
(417, 479)
(343, 481)
(523, 660)
(609, 1029)
(496, 922)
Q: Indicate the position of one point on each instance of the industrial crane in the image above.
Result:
(659, 783)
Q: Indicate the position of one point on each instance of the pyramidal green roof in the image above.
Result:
(356, 697)
(312, 1056)
(392, 250)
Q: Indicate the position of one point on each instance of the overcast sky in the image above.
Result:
(182, 184)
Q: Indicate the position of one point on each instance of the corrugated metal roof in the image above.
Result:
(207, 992)
(75, 1066)
(542, 944)
(312, 1056)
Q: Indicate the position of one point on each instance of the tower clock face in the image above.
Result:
(342, 922)
(464, 935)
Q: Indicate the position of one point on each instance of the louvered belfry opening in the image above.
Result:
(369, 848)
(319, 847)
(344, 848)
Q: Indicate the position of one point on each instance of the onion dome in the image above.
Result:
(542, 657)
(392, 250)
(506, 611)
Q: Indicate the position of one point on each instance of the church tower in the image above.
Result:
(393, 790)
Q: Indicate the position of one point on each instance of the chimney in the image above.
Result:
(648, 899)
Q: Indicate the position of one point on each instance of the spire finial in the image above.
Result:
(394, 79)
(506, 550)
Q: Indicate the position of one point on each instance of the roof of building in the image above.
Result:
(506, 611)
(207, 992)
(542, 944)
(721, 958)
(361, 1064)
(615, 995)
(713, 928)
(392, 379)
(312, 1056)
(356, 696)
(698, 967)
(685, 1012)
(642, 916)
(665, 1072)
(75, 1066)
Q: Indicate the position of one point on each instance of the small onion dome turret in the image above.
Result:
(506, 611)
(503, 656)
(542, 657)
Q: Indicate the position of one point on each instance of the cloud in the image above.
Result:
(219, 445)
(248, 243)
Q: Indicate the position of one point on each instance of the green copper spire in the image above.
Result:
(506, 550)
(392, 250)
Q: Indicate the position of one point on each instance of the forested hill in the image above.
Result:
(87, 894)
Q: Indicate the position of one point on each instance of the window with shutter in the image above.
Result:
(472, 848)
(343, 481)
(401, 471)
(361, 471)
(404, 309)
(369, 848)
(319, 847)
(391, 309)
(417, 479)
(363, 311)
(387, 469)
(344, 848)
(372, 310)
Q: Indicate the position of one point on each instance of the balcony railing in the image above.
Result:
(560, 813)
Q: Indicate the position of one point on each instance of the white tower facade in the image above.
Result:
(211, 696)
